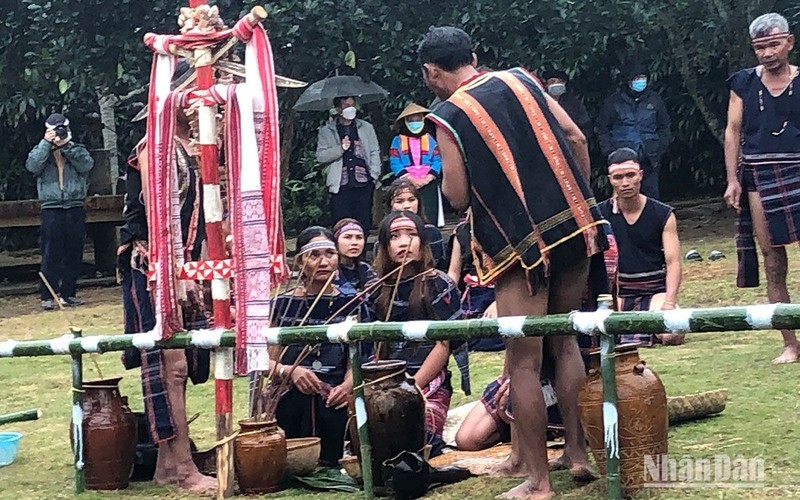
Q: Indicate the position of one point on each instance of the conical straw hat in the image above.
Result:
(412, 109)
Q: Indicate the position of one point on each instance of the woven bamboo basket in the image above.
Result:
(694, 406)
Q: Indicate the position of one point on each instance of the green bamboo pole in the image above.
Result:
(361, 421)
(21, 416)
(610, 415)
(721, 319)
(77, 415)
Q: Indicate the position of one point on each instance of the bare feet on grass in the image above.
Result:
(526, 491)
(510, 467)
(580, 471)
(790, 354)
(198, 483)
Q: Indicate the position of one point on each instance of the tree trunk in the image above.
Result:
(107, 118)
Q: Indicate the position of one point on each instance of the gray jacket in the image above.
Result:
(329, 152)
(77, 164)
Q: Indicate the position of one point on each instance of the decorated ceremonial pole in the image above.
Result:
(361, 420)
(77, 415)
(215, 238)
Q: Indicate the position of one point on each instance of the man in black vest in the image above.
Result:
(646, 232)
(513, 155)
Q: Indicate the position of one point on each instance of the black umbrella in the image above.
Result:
(319, 96)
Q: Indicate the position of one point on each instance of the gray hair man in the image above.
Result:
(762, 161)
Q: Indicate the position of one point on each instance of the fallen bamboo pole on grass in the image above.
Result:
(21, 416)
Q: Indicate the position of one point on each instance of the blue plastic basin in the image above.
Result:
(9, 446)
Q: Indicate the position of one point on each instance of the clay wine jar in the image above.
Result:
(643, 419)
(259, 456)
(395, 414)
(109, 436)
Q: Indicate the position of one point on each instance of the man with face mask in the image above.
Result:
(348, 148)
(635, 117)
(62, 170)
(556, 84)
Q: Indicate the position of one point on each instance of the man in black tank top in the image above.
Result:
(762, 161)
(646, 233)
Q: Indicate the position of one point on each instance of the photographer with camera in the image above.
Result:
(62, 170)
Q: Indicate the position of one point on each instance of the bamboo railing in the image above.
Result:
(603, 323)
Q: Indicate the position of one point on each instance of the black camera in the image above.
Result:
(62, 132)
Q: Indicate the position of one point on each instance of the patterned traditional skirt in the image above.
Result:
(776, 177)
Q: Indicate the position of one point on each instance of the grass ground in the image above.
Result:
(761, 419)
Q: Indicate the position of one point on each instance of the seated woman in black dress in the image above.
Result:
(350, 240)
(422, 293)
(316, 404)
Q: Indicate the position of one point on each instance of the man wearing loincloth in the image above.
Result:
(762, 160)
(511, 154)
(646, 233)
(165, 372)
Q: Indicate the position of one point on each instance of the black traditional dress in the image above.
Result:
(446, 305)
(304, 415)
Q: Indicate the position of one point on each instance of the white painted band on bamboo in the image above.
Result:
(7, 348)
(587, 322)
(89, 344)
(221, 289)
(60, 345)
(760, 317)
(511, 326)
(677, 320)
(416, 330)
(212, 202)
(146, 340)
(223, 363)
(337, 332)
(207, 338)
(77, 433)
(207, 125)
(273, 335)
(361, 412)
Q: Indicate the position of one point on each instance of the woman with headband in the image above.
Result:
(316, 404)
(404, 195)
(419, 292)
(350, 240)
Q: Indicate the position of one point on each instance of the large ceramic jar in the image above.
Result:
(259, 455)
(642, 412)
(395, 414)
(109, 436)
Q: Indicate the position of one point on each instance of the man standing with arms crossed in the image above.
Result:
(511, 154)
(762, 160)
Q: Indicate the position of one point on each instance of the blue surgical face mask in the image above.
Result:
(415, 127)
(639, 84)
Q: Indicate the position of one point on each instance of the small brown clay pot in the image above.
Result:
(259, 457)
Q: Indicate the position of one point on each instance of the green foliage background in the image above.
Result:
(63, 55)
